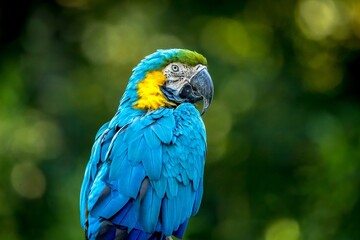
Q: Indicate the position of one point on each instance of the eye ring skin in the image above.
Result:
(175, 68)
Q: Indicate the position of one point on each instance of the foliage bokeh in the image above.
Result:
(283, 130)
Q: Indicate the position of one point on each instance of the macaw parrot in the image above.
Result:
(144, 179)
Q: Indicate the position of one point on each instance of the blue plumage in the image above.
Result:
(145, 174)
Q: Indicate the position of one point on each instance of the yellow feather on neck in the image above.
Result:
(149, 93)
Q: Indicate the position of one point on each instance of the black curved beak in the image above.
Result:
(203, 85)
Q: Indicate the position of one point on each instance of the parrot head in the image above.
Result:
(168, 78)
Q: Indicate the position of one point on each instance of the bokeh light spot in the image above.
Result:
(114, 43)
(237, 41)
(327, 133)
(226, 38)
(354, 12)
(239, 94)
(35, 138)
(28, 180)
(105, 43)
(283, 229)
(318, 18)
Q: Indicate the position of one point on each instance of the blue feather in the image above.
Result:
(160, 113)
(150, 210)
(143, 122)
(130, 215)
(116, 138)
(130, 179)
(119, 163)
(109, 205)
(103, 200)
(102, 129)
(167, 215)
(163, 128)
(196, 179)
(143, 151)
(190, 171)
(136, 235)
(94, 225)
(151, 139)
(198, 198)
(134, 153)
(132, 134)
(159, 186)
(172, 188)
(184, 177)
(179, 233)
(152, 162)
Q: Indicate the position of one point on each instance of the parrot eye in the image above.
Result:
(175, 68)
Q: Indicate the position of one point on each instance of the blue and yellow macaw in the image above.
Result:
(144, 179)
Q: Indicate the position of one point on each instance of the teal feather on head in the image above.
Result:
(161, 58)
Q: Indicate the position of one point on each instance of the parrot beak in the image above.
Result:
(202, 85)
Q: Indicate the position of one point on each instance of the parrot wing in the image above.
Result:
(148, 177)
(91, 170)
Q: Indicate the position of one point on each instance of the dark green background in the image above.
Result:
(283, 130)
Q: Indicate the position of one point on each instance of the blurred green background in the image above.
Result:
(283, 131)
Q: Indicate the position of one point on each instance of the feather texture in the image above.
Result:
(171, 164)
(145, 173)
